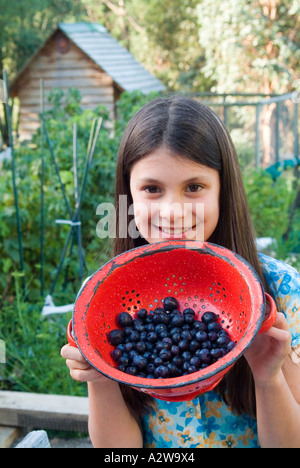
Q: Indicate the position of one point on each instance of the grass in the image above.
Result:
(33, 343)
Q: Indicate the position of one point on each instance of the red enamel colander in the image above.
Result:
(200, 275)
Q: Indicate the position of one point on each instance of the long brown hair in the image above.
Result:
(190, 129)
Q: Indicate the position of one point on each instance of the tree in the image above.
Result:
(254, 45)
(161, 35)
(25, 24)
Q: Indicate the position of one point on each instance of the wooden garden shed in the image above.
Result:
(82, 56)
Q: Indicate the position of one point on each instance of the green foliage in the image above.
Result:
(99, 188)
(252, 46)
(269, 203)
(32, 341)
(33, 361)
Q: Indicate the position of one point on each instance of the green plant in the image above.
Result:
(32, 341)
(271, 204)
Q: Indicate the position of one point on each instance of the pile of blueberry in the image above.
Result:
(167, 343)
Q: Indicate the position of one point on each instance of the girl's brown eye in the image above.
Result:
(193, 188)
(151, 189)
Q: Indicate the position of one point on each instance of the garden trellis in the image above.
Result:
(73, 217)
(13, 169)
(270, 123)
(73, 222)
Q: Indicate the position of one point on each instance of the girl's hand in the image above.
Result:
(269, 350)
(80, 369)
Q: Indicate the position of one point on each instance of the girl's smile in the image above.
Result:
(174, 197)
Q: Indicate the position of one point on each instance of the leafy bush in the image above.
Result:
(33, 361)
(269, 202)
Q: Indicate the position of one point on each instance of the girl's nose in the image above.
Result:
(171, 211)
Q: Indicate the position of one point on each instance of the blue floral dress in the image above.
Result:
(207, 421)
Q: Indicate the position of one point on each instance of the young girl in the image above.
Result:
(176, 152)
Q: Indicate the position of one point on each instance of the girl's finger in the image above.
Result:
(69, 352)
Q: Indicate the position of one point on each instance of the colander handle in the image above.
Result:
(71, 340)
(271, 315)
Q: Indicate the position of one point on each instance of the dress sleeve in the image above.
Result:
(284, 283)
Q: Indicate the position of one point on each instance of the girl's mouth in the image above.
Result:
(175, 232)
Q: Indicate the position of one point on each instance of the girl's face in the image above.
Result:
(174, 197)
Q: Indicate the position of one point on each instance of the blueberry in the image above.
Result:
(175, 350)
(177, 361)
(164, 318)
(177, 321)
(122, 367)
(183, 344)
(116, 354)
(124, 319)
(134, 336)
(204, 355)
(201, 336)
(138, 325)
(161, 327)
(139, 362)
(159, 346)
(127, 331)
(223, 341)
(199, 326)
(212, 336)
(185, 366)
(152, 336)
(156, 319)
(194, 345)
(170, 303)
(141, 347)
(208, 317)
(150, 368)
(165, 354)
(123, 360)
(162, 372)
(195, 361)
(176, 337)
(214, 326)
(168, 339)
(189, 318)
(132, 370)
(143, 335)
(132, 353)
(189, 311)
(158, 361)
(230, 346)
(185, 334)
(186, 355)
(173, 370)
(216, 353)
(206, 344)
(116, 337)
(142, 314)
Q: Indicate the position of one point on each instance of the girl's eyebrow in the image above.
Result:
(193, 180)
(147, 180)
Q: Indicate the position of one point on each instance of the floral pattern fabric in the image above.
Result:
(206, 421)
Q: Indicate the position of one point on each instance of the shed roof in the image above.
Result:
(96, 42)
